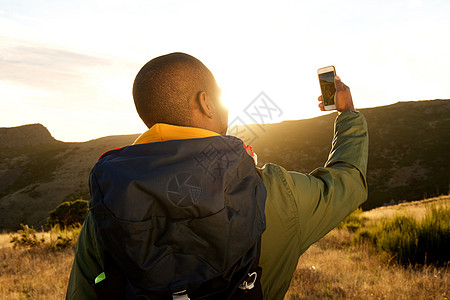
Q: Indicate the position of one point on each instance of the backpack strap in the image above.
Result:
(111, 286)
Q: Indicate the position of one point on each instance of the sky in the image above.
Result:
(70, 65)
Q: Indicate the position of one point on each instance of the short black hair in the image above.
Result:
(165, 85)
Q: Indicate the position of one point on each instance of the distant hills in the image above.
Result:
(38, 172)
(409, 148)
(408, 158)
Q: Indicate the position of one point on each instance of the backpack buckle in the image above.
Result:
(245, 285)
(182, 295)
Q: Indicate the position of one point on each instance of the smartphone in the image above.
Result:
(326, 81)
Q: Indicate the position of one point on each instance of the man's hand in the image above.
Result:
(342, 98)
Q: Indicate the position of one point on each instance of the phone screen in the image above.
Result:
(328, 89)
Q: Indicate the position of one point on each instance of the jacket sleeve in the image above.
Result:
(328, 194)
(302, 208)
(87, 265)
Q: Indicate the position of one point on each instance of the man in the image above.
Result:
(178, 99)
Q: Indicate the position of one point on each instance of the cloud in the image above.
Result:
(42, 67)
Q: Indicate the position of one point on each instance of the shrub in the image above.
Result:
(60, 239)
(25, 237)
(411, 242)
(434, 236)
(398, 237)
(70, 213)
(364, 235)
(65, 238)
(353, 221)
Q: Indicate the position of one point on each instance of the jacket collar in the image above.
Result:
(161, 132)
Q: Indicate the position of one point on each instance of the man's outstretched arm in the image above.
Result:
(337, 189)
(302, 208)
(340, 187)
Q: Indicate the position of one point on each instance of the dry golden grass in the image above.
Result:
(330, 269)
(334, 269)
(34, 274)
(4, 241)
(416, 209)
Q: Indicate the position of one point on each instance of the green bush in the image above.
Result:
(434, 236)
(25, 237)
(59, 239)
(364, 235)
(70, 213)
(353, 222)
(398, 237)
(62, 239)
(411, 242)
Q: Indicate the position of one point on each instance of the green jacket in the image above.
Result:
(300, 209)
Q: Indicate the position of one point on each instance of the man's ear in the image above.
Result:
(205, 104)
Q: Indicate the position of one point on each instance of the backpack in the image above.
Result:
(179, 220)
(111, 286)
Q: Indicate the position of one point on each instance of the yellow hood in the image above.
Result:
(161, 132)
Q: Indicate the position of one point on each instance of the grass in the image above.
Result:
(327, 272)
(413, 242)
(411, 233)
(337, 268)
(35, 273)
(36, 265)
(55, 239)
(333, 268)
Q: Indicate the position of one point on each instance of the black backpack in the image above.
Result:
(112, 286)
(179, 219)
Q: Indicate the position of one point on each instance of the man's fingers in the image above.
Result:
(338, 83)
(321, 104)
(343, 97)
(340, 86)
(321, 107)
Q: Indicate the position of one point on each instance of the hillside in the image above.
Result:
(26, 135)
(37, 173)
(409, 146)
(408, 158)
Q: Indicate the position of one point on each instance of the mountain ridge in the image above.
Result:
(25, 135)
(408, 158)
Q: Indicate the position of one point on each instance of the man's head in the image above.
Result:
(179, 89)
